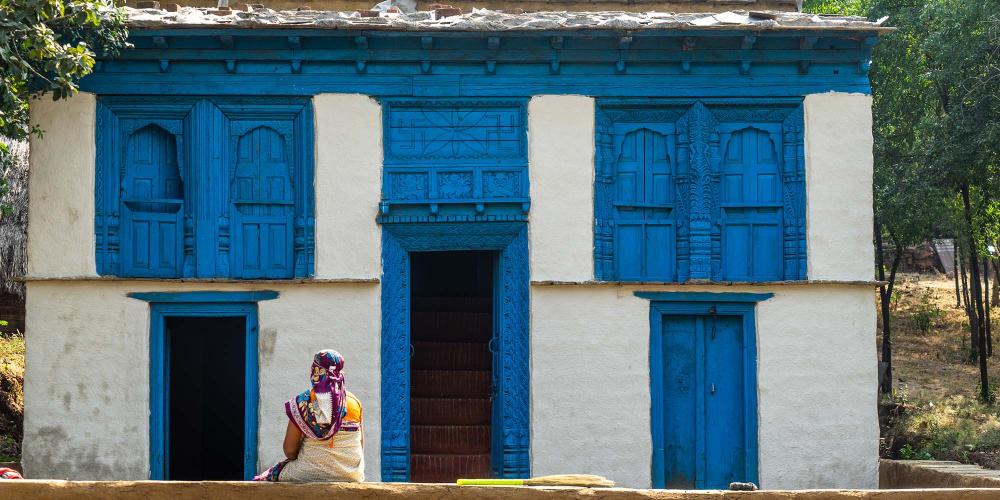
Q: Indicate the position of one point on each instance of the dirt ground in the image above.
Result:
(931, 340)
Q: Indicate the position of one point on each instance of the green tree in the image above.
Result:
(46, 46)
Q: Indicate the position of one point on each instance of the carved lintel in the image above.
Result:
(491, 67)
(226, 41)
(164, 65)
(493, 42)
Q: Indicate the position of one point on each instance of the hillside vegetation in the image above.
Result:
(934, 412)
(11, 396)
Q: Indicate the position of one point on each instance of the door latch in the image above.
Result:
(713, 389)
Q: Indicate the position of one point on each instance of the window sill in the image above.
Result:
(715, 284)
(202, 280)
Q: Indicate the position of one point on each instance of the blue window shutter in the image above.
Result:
(204, 188)
(152, 205)
(699, 191)
(263, 202)
(643, 206)
(751, 201)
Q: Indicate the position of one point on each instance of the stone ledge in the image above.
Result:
(159, 490)
(936, 474)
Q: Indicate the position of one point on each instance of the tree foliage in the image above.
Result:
(47, 46)
(936, 111)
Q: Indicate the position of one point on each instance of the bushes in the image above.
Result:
(11, 396)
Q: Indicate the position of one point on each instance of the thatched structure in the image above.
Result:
(14, 219)
(13, 234)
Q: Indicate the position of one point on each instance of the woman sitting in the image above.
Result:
(324, 440)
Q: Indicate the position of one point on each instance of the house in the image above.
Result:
(630, 244)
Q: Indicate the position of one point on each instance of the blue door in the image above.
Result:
(704, 402)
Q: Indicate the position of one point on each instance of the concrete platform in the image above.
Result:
(936, 474)
(157, 490)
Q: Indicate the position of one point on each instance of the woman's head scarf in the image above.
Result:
(319, 411)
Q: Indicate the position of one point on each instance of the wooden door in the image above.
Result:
(703, 400)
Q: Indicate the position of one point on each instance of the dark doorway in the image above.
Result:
(451, 325)
(206, 359)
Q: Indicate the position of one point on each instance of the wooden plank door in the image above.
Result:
(703, 401)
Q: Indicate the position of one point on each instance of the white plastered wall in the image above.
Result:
(838, 147)
(87, 378)
(561, 167)
(590, 396)
(61, 182)
(93, 423)
(348, 185)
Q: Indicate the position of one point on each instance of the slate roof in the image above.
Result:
(494, 21)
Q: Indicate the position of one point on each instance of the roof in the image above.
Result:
(483, 20)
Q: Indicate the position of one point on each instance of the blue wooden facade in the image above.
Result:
(204, 170)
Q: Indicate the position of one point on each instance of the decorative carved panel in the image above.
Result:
(737, 211)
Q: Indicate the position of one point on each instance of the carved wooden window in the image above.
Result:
(733, 208)
(643, 205)
(152, 205)
(454, 160)
(204, 188)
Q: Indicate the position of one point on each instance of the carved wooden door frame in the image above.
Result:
(511, 334)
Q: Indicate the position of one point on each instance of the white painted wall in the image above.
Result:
(590, 396)
(561, 169)
(61, 183)
(348, 185)
(87, 378)
(838, 147)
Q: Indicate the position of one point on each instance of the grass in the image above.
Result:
(934, 412)
(11, 396)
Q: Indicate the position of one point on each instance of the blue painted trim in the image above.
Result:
(704, 296)
(511, 332)
(703, 304)
(203, 297)
(208, 226)
(159, 376)
(383, 63)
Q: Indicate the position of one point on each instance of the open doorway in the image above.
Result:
(451, 371)
(206, 382)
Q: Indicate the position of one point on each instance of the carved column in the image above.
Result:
(515, 384)
(793, 195)
(604, 268)
(395, 360)
(695, 137)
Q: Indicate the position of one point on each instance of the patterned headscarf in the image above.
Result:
(319, 411)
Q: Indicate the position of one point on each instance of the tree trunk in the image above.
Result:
(954, 270)
(986, 306)
(977, 296)
(967, 303)
(885, 300)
